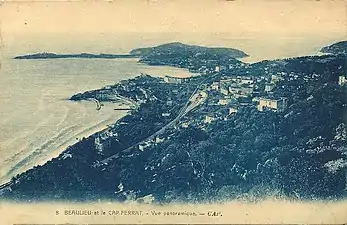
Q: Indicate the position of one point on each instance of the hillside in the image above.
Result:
(224, 147)
(336, 48)
(191, 57)
(190, 50)
(297, 153)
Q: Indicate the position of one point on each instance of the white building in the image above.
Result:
(247, 81)
(185, 125)
(145, 145)
(242, 80)
(98, 144)
(342, 80)
(158, 139)
(241, 90)
(215, 86)
(174, 80)
(277, 105)
(209, 119)
(223, 101)
(219, 68)
(232, 110)
(165, 114)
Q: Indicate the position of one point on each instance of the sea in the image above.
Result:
(37, 121)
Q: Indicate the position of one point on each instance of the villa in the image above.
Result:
(276, 105)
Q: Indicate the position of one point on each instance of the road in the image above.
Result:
(6, 186)
(126, 100)
(194, 100)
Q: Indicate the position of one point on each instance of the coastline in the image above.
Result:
(79, 56)
(21, 167)
(103, 146)
(54, 151)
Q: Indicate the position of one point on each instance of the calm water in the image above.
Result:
(37, 122)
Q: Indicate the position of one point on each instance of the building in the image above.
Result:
(277, 105)
(209, 118)
(269, 87)
(242, 80)
(158, 139)
(185, 125)
(244, 91)
(144, 145)
(215, 86)
(342, 80)
(98, 144)
(223, 101)
(220, 68)
(247, 80)
(231, 66)
(174, 80)
(165, 114)
(232, 110)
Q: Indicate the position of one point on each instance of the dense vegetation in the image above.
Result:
(299, 153)
(336, 48)
(188, 56)
(188, 50)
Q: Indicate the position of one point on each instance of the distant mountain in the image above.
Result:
(176, 48)
(191, 57)
(337, 48)
(172, 54)
(299, 153)
(48, 55)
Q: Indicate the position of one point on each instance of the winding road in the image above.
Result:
(197, 98)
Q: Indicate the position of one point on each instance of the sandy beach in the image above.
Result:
(69, 135)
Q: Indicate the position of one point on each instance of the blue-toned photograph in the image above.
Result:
(154, 107)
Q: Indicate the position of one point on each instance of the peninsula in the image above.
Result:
(48, 55)
(192, 57)
(238, 131)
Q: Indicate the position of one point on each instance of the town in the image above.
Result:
(234, 130)
(219, 94)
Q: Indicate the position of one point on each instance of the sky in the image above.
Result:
(121, 25)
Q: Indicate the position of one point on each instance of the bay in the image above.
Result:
(38, 121)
